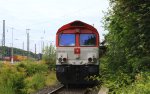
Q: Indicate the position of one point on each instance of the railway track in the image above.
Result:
(71, 90)
(61, 89)
(50, 90)
(56, 90)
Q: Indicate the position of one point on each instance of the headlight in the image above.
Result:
(90, 59)
(64, 59)
(60, 59)
(94, 60)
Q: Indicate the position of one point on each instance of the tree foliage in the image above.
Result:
(6, 51)
(49, 56)
(128, 49)
(128, 37)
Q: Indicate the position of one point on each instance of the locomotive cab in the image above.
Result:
(77, 50)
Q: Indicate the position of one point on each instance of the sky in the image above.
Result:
(45, 17)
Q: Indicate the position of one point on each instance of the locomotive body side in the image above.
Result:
(77, 50)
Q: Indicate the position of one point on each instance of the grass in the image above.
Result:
(51, 79)
(25, 77)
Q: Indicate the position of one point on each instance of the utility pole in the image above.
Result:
(43, 41)
(23, 45)
(93, 25)
(35, 51)
(28, 42)
(3, 38)
(41, 45)
(35, 48)
(12, 52)
(23, 48)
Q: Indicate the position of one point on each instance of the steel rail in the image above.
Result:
(55, 90)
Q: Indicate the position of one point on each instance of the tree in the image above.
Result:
(49, 56)
(128, 37)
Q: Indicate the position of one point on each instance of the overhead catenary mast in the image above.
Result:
(3, 40)
(12, 52)
(3, 36)
(28, 42)
(23, 45)
(35, 51)
(35, 48)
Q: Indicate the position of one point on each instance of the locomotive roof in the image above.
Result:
(76, 24)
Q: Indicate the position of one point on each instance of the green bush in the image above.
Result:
(49, 56)
(10, 79)
(36, 82)
(121, 82)
(124, 69)
(140, 86)
(142, 64)
(24, 77)
(33, 68)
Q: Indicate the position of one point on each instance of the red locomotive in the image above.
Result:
(77, 50)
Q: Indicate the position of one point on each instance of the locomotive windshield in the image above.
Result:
(67, 40)
(87, 40)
